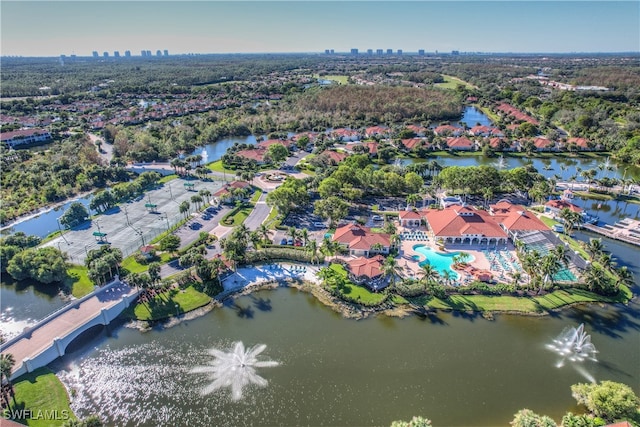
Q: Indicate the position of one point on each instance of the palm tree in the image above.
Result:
(255, 238)
(312, 247)
(389, 227)
(428, 273)
(561, 253)
(197, 200)
(329, 247)
(293, 232)
(184, 208)
(7, 363)
(625, 277)
(594, 248)
(487, 194)
(304, 234)
(571, 219)
(549, 267)
(412, 199)
(606, 260)
(517, 276)
(205, 194)
(391, 270)
(264, 233)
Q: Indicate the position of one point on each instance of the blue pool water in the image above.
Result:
(440, 261)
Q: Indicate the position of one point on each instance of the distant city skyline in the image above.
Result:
(52, 28)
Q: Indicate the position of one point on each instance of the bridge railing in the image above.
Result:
(29, 329)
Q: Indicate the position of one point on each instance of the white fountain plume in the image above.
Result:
(501, 163)
(234, 369)
(574, 345)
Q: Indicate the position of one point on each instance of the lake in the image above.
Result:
(454, 368)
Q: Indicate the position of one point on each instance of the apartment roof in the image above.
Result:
(359, 237)
(369, 267)
(455, 221)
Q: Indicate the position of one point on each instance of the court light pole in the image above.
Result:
(61, 233)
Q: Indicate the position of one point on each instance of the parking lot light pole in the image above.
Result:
(61, 233)
(166, 218)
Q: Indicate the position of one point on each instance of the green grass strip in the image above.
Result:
(41, 391)
(164, 306)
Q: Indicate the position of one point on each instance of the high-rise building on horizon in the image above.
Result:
(127, 54)
(105, 54)
(369, 51)
(166, 52)
(95, 53)
(421, 52)
(389, 51)
(143, 53)
(158, 52)
(379, 51)
(148, 53)
(354, 51)
(399, 51)
(116, 54)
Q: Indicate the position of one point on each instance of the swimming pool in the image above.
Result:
(440, 261)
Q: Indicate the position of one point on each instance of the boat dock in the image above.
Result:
(626, 230)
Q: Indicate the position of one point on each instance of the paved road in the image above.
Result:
(259, 214)
(107, 149)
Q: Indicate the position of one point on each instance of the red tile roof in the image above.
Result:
(460, 142)
(335, 156)
(561, 204)
(541, 142)
(580, 142)
(22, 133)
(256, 154)
(369, 267)
(409, 215)
(359, 237)
(412, 142)
(457, 221)
(447, 129)
(371, 145)
(516, 217)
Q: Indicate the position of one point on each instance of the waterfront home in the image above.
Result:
(417, 130)
(411, 143)
(444, 130)
(555, 206)
(544, 144)
(367, 271)
(381, 131)
(256, 154)
(460, 143)
(344, 135)
(361, 241)
(372, 146)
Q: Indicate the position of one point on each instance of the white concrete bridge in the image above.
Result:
(47, 340)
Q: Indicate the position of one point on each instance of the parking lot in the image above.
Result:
(132, 224)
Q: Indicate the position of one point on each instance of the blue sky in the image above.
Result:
(51, 28)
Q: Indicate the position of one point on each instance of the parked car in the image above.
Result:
(298, 243)
(290, 242)
(377, 218)
(319, 224)
(283, 241)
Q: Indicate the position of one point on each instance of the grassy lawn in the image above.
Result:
(78, 281)
(343, 80)
(487, 112)
(537, 304)
(167, 178)
(217, 167)
(164, 306)
(594, 196)
(451, 82)
(133, 266)
(256, 195)
(42, 391)
(237, 216)
(355, 292)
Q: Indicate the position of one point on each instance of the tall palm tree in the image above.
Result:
(184, 208)
(561, 253)
(264, 233)
(594, 248)
(606, 260)
(412, 199)
(571, 219)
(329, 247)
(391, 270)
(517, 276)
(197, 200)
(428, 273)
(625, 277)
(312, 247)
(7, 362)
(304, 234)
(293, 232)
(549, 267)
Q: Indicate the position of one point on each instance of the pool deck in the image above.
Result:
(411, 267)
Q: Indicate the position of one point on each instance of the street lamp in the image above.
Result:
(177, 307)
(127, 215)
(170, 192)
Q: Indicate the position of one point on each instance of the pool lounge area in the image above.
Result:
(440, 261)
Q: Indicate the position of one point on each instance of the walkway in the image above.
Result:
(626, 230)
(66, 322)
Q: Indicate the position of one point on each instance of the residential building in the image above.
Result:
(367, 271)
(24, 137)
